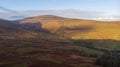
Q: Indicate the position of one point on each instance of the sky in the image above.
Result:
(108, 7)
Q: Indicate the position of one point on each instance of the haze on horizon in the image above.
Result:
(83, 9)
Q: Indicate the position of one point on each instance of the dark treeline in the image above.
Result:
(109, 60)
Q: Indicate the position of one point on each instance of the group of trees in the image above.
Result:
(112, 60)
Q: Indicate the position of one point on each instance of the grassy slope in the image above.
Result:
(101, 31)
(42, 53)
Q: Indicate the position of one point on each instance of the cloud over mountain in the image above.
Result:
(7, 10)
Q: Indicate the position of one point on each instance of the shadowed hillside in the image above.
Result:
(13, 30)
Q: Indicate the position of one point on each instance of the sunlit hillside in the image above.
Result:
(77, 28)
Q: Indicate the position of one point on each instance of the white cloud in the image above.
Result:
(108, 17)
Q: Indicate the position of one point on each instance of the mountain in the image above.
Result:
(53, 23)
(77, 28)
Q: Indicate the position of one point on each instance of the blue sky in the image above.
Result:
(107, 6)
(99, 5)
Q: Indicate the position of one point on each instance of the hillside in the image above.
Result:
(77, 28)
(10, 30)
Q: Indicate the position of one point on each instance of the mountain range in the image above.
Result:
(66, 27)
